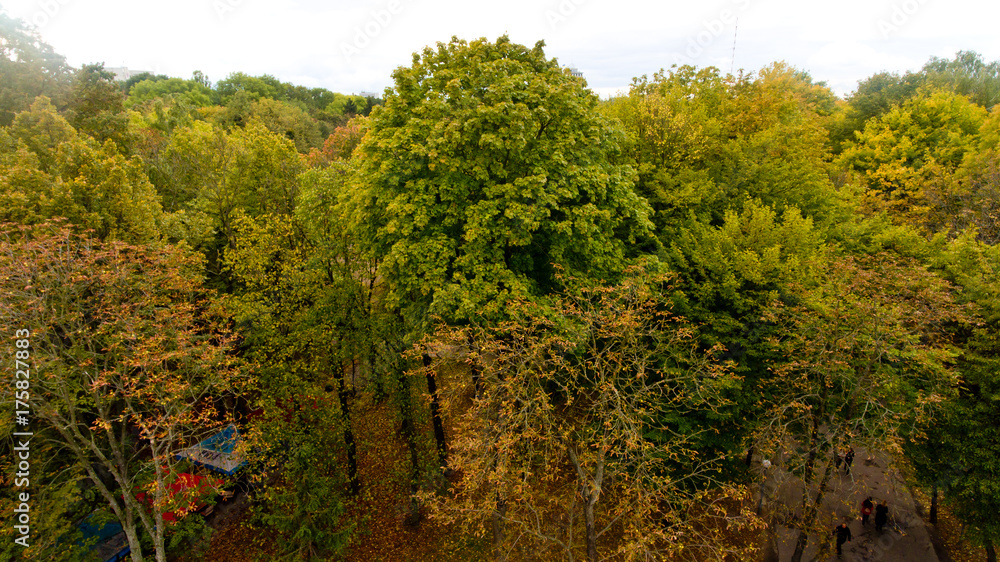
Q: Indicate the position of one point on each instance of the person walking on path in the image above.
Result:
(866, 509)
(843, 533)
(848, 459)
(881, 515)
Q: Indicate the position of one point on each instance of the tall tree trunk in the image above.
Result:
(159, 499)
(345, 411)
(809, 516)
(588, 512)
(442, 447)
(158, 542)
(378, 384)
(991, 553)
(133, 541)
(590, 489)
(934, 504)
(409, 432)
(497, 524)
(477, 381)
(500, 512)
(807, 478)
(817, 450)
(122, 509)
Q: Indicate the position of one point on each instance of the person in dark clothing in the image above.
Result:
(881, 515)
(848, 459)
(843, 533)
(866, 509)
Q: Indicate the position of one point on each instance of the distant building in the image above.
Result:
(122, 74)
(575, 71)
(370, 95)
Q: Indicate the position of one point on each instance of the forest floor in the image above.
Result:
(381, 535)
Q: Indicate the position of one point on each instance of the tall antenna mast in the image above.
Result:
(733, 63)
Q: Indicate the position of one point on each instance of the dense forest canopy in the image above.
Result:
(591, 324)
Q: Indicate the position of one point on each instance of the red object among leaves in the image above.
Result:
(186, 494)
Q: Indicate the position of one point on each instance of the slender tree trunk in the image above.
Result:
(159, 548)
(809, 516)
(810, 508)
(352, 457)
(410, 436)
(500, 512)
(807, 478)
(590, 489)
(588, 512)
(442, 447)
(934, 504)
(498, 537)
(991, 553)
(477, 381)
(158, 541)
(345, 411)
(133, 541)
(378, 384)
(477, 378)
(120, 507)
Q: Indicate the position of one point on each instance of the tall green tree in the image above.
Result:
(486, 165)
(967, 74)
(208, 176)
(287, 120)
(966, 196)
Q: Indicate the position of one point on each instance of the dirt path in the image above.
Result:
(905, 538)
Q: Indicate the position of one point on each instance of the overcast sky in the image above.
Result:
(352, 47)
